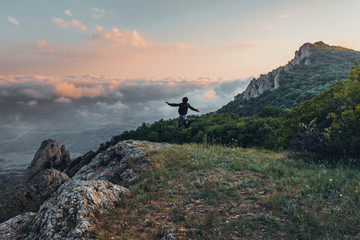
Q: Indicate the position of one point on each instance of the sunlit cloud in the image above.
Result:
(67, 12)
(13, 20)
(71, 91)
(75, 23)
(79, 24)
(210, 95)
(60, 22)
(63, 100)
(115, 36)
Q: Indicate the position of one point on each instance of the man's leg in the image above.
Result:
(181, 121)
(188, 123)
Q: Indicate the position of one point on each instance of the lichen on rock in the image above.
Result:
(69, 213)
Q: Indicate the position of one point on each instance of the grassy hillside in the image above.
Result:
(215, 192)
(328, 65)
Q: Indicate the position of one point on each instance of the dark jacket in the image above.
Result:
(183, 107)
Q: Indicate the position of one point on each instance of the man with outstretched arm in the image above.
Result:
(183, 108)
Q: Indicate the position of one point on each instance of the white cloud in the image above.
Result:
(98, 13)
(118, 106)
(63, 100)
(31, 103)
(13, 20)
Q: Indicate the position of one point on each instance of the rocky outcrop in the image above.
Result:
(271, 80)
(16, 227)
(120, 163)
(48, 180)
(79, 162)
(49, 155)
(70, 213)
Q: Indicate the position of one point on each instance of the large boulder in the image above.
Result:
(70, 212)
(15, 227)
(49, 155)
(48, 180)
(120, 163)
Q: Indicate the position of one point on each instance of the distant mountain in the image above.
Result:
(314, 68)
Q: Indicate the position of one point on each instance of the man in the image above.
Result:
(183, 108)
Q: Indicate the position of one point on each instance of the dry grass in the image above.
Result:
(215, 192)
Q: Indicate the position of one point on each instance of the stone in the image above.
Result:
(49, 155)
(169, 234)
(115, 162)
(16, 227)
(78, 163)
(70, 212)
(48, 180)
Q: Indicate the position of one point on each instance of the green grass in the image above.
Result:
(215, 192)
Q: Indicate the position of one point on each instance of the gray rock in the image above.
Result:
(119, 162)
(48, 180)
(79, 162)
(271, 80)
(49, 155)
(16, 227)
(169, 234)
(69, 213)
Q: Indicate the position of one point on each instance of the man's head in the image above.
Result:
(185, 99)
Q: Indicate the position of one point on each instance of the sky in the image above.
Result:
(99, 62)
(167, 38)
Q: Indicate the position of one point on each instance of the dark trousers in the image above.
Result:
(183, 121)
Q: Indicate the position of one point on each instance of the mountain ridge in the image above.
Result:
(316, 60)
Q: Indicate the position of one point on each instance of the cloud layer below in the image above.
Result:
(97, 100)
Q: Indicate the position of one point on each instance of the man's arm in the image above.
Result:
(173, 104)
(194, 109)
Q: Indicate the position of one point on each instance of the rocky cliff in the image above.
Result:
(70, 210)
(315, 67)
(271, 80)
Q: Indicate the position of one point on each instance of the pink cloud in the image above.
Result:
(210, 95)
(69, 90)
(63, 100)
(57, 20)
(13, 20)
(115, 36)
(79, 24)
(67, 12)
(98, 28)
(74, 23)
(41, 44)
(60, 22)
